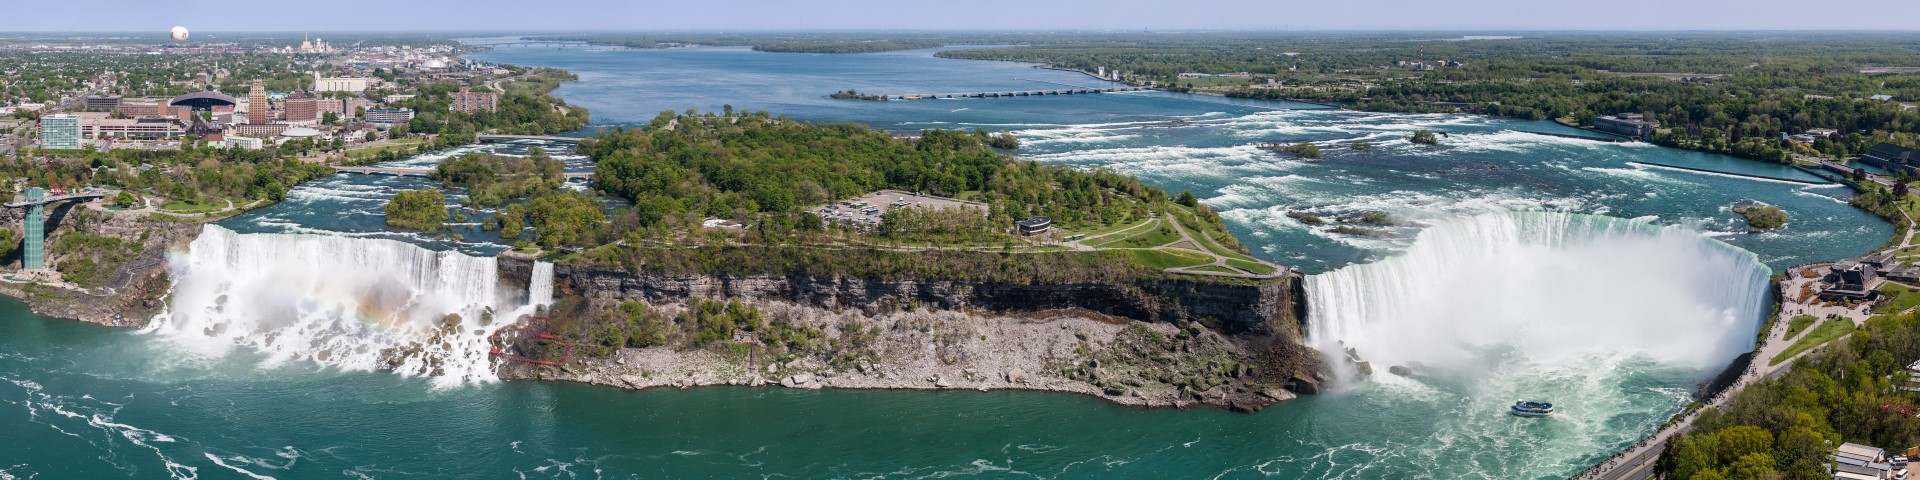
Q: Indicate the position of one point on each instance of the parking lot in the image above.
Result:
(865, 210)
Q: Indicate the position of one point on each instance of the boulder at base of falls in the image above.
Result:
(1304, 385)
(1399, 370)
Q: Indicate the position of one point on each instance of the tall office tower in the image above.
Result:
(257, 111)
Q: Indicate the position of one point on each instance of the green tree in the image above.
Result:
(424, 210)
(1424, 137)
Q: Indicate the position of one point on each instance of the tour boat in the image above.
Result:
(1529, 408)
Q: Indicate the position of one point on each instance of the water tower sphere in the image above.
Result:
(179, 34)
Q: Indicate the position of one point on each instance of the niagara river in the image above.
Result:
(1515, 264)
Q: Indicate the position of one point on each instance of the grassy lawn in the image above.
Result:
(1115, 233)
(191, 207)
(1159, 234)
(1255, 267)
(1215, 269)
(1903, 299)
(1820, 335)
(1799, 323)
(1205, 234)
(1168, 258)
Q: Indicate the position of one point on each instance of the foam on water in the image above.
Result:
(1603, 316)
(351, 303)
(1556, 286)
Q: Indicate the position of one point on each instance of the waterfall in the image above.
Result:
(1548, 291)
(351, 303)
(540, 287)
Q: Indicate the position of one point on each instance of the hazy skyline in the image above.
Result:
(743, 15)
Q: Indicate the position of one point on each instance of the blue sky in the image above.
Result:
(745, 15)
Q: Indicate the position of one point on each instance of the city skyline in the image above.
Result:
(767, 15)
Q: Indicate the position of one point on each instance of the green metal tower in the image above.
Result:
(35, 255)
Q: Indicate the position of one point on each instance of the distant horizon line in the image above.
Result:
(160, 31)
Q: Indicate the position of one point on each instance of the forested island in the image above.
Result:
(751, 197)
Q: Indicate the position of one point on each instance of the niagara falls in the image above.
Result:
(1077, 241)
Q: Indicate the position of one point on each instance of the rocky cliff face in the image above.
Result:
(134, 284)
(1258, 309)
(1156, 342)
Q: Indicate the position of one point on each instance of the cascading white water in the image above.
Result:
(1549, 289)
(352, 303)
(540, 287)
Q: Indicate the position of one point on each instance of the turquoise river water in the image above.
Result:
(1580, 271)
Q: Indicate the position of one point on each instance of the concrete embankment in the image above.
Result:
(1731, 174)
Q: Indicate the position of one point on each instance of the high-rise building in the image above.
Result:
(258, 113)
(302, 108)
(102, 103)
(389, 116)
(465, 101)
(60, 132)
(335, 106)
(339, 84)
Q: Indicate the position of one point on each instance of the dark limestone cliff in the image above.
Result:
(1256, 324)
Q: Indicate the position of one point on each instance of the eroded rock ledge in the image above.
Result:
(1152, 343)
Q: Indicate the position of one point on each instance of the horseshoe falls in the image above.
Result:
(1605, 317)
(1549, 288)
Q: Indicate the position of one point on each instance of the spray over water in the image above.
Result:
(1610, 319)
(351, 303)
(1551, 287)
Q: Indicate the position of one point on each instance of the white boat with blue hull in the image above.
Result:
(1529, 408)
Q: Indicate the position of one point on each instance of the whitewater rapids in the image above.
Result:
(1547, 289)
(350, 303)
